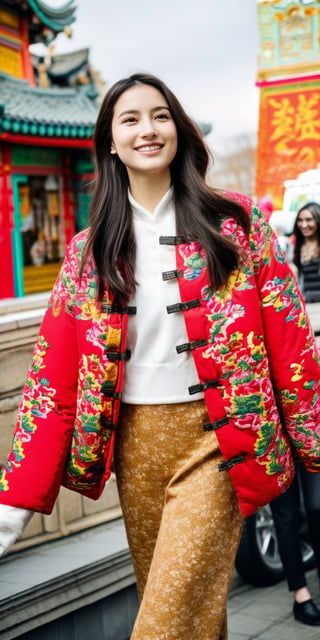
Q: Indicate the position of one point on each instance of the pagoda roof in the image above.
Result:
(64, 68)
(54, 112)
(65, 63)
(45, 21)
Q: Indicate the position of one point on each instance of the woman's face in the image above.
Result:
(307, 224)
(144, 134)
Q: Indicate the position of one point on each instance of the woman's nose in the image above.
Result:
(148, 128)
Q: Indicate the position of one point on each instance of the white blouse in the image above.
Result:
(156, 373)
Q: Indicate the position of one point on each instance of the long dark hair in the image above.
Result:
(198, 207)
(314, 209)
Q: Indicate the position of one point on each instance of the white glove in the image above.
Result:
(13, 520)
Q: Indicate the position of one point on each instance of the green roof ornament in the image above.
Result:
(6, 124)
(16, 126)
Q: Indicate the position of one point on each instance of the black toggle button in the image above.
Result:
(197, 388)
(183, 306)
(213, 426)
(108, 392)
(171, 275)
(112, 308)
(116, 356)
(172, 240)
(106, 422)
(228, 464)
(189, 346)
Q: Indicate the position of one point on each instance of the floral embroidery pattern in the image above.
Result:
(38, 401)
(75, 296)
(301, 421)
(248, 394)
(94, 415)
(281, 293)
(194, 258)
(89, 437)
(98, 332)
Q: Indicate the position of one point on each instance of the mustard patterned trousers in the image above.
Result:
(182, 520)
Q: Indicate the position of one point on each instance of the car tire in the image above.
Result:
(258, 561)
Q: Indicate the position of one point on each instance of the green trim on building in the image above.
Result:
(16, 238)
(83, 203)
(83, 162)
(35, 156)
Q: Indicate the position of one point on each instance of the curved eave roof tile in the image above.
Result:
(50, 112)
(55, 18)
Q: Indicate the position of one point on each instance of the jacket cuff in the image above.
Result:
(13, 521)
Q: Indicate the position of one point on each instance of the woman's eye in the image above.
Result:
(129, 120)
(162, 116)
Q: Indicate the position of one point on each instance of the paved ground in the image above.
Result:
(266, 613)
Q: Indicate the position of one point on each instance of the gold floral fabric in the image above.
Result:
(182, 519)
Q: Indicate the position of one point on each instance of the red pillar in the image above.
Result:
(6, 226)
(28, 72)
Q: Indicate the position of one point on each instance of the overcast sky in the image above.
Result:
(206, 51)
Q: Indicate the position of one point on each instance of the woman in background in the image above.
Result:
(286, 514)
(307, 250)
(285, 508)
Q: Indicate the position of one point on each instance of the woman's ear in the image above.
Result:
(112, 148)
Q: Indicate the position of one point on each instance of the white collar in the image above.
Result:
(162, 206)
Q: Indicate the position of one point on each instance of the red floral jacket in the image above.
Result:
(255, 355)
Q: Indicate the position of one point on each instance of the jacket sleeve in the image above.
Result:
(31, 476)
(292, 350)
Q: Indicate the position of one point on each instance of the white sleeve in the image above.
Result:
(13, 520)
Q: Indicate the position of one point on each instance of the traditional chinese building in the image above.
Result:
(289, 83)
(48, 108)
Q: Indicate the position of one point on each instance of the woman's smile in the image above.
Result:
(149, 148)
